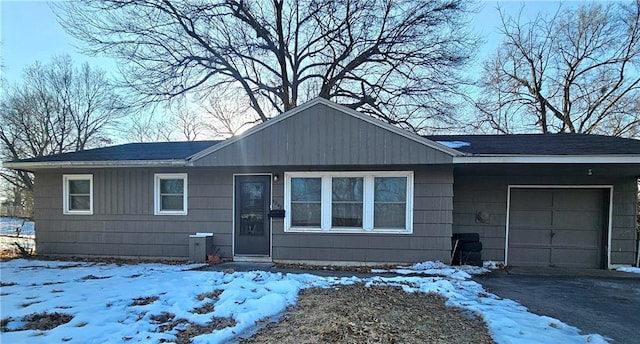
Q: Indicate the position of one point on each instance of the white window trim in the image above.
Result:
(368, 202)
(156, 193)
(65, 194)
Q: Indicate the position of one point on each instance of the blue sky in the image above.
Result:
(30, 32)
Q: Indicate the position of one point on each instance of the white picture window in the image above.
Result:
(349, 201)
(78, 194)
(170, 194)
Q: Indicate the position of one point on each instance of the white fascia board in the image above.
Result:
(547, 159)
(28, 166)
(342, 108)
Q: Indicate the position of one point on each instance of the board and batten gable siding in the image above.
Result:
(123, 221)
(323, 136)
(431, 238)
(486, 193)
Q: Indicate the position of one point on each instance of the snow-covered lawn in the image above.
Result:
(130, 303)
(9, 235)
(8, 226)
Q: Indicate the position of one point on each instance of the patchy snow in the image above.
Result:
(100, 299)
(454, 144)
(491, 265)
(436, 269)
(10, 227)
(629, 269)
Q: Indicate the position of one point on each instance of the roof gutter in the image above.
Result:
(30, 166)
(546, 159)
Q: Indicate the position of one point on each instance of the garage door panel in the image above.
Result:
(529, 256)
(557, 227)
(531, 218)
(529, 236)
(576, 238)
(578, 199)
(578, 220)
(576, 257)
(530, 199)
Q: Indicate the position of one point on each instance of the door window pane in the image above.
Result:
(390, 197)
(306, 194)
(346, 202)
(252, 205)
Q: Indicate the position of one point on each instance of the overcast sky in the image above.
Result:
(30, 32)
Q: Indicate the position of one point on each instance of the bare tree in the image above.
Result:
(57, 108)
(147, 127)
(574, 71)
(223, 118)
(398, 61)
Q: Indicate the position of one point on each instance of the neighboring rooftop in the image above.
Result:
(132, 151)
(539, 144)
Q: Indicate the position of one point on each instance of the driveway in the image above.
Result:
(595, 301)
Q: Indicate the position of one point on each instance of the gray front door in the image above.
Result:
(557, 227)
(252, 226)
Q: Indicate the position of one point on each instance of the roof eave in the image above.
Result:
(547, 159)
(32, 166)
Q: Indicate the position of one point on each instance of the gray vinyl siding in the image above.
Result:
(323, 136)
(123, 223)
(431, 238)
(486, 193)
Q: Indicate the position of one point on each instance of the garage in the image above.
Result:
(561, 227)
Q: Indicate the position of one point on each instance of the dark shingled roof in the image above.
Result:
(132, 151)
(522, 144)
(542, 144)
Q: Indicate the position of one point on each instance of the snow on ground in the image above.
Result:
(629, 269)
(437, 269)
(100, 297)
(8, 226)
(9, 235)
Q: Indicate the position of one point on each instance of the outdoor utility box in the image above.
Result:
(200, 245)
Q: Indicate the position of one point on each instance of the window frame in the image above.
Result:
(66, 206)
(368, 202)
(157, 196)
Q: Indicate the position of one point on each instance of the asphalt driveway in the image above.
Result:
(595, 301)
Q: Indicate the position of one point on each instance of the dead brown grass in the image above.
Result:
(92, 277)
(357, 314)
(213, 295)
(141, 301)
(167, 323)
(38, 321)
(208, 307)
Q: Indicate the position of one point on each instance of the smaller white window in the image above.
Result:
(170, 194)
(78, 194)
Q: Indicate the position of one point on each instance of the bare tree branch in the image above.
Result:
(575, 71)
(399, 61)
